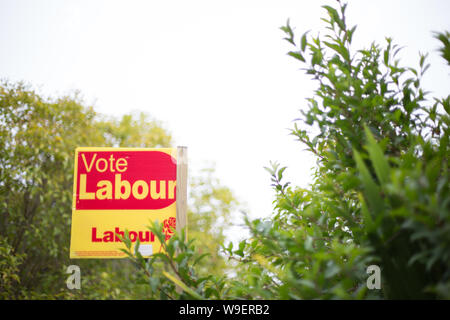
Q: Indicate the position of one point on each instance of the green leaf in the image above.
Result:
(296, 55)
(342, 50)
(180, 284)
(280, 173)
(304, 41)
(309, 244)
(371, 190)
(379, 162)
(366, 214)
(317, 57)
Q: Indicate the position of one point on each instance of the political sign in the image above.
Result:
(118, 189)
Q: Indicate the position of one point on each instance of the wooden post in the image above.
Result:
(182, 165)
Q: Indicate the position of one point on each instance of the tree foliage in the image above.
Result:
(38, 137)
(383, 155)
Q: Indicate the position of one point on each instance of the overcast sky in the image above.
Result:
(215, 72)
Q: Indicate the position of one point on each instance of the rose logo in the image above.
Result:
(169, 226)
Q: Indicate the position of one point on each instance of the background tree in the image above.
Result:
(38, 137)
(37, 140)
(210, 209)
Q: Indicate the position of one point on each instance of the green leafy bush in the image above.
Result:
(373, 120)
(380, 193)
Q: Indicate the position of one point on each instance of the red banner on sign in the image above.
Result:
(117, 180)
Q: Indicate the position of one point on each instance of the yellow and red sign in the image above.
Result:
(118, 189)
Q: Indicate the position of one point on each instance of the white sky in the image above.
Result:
(215, 72)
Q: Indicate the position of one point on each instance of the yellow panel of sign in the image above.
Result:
(118, 189)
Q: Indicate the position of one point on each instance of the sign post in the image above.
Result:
(182, 189)
(124, 189)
